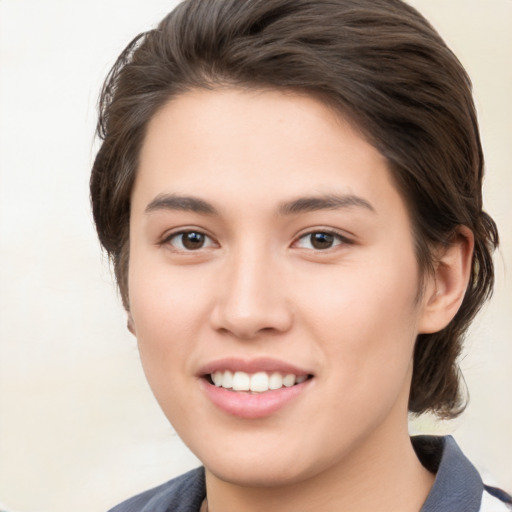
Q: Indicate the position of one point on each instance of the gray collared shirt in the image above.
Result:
(457, 487)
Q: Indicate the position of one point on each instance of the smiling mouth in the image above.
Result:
(259, 382)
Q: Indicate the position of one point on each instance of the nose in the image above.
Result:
(251, 297)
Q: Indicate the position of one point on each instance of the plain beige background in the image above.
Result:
(79, 428)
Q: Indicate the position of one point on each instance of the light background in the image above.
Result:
(79, 428)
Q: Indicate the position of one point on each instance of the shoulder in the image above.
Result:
(182, 494)
(458, 486)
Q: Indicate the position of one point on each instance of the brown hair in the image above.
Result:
(381, 65)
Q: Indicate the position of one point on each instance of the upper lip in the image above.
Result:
(261, 364)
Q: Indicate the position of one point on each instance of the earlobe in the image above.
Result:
(130, 325)
(445, 289)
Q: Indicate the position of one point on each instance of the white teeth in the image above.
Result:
(226, 379)
(289, 380)
(257, 382)
(217, 378)
(241, 381)
(275, 381)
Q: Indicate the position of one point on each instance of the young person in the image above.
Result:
(290, 193)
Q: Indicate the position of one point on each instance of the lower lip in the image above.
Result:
(252, 406)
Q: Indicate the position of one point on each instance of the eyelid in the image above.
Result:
(342, 238)
(168, 236)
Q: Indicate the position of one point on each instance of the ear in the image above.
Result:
(130, 325)
(445, 289)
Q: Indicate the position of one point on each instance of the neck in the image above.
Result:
(379, 475)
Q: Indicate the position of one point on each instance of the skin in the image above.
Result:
(347, 314)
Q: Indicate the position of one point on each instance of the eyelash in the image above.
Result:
(168, 239)
(336, 238)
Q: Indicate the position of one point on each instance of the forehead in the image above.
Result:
(257, 147)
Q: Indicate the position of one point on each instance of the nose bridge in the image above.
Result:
(251, 298)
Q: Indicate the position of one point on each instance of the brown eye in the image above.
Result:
(321, 240)
(190, 241)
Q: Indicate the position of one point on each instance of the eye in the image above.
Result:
(320, 240)
(189, 241)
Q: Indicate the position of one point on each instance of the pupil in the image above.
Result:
(322, 240)
(193, 240)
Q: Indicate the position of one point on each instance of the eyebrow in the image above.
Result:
(182, 203)
(293, 207)
(324, 202)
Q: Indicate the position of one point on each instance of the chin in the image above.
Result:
(264, 474)
(271, 467)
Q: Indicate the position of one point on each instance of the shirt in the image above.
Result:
(458, 486)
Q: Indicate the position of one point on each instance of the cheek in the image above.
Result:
(360, 298)
(164, 299)
(164, 326)
(367, 319)
(167, 310)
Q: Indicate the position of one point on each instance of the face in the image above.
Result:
(272, 284)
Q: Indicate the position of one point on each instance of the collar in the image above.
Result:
(458, 486)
